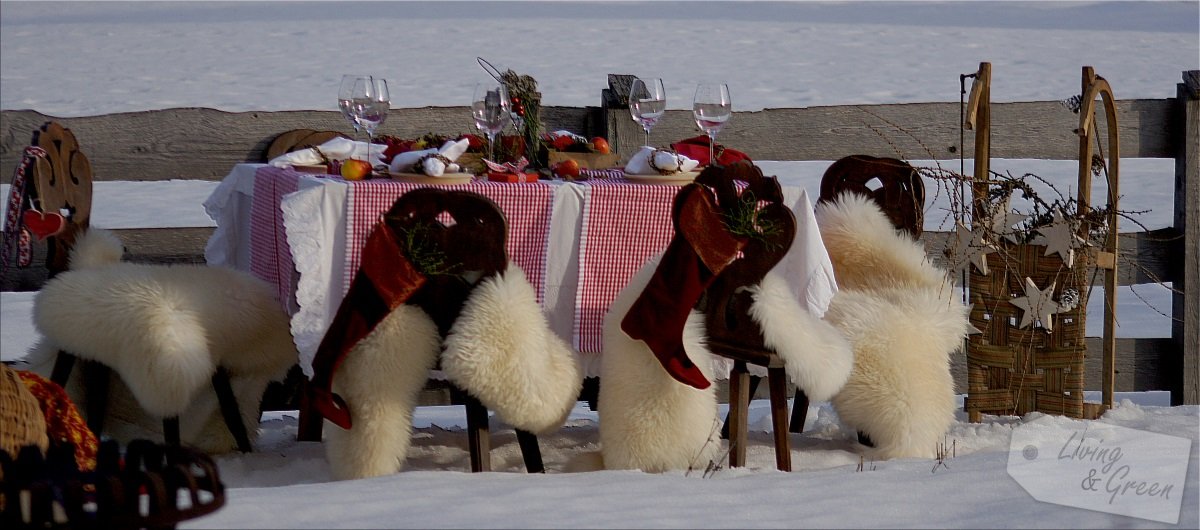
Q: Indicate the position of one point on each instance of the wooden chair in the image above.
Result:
(892, 183)
(57, 182)
(297, 139)
(475, 243)
(732, 333)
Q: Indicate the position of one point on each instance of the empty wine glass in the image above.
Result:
(647, 102)
(371, 103)
(490, 108)
(712, 108)
(346, 100)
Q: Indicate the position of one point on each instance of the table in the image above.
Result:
(578, 243)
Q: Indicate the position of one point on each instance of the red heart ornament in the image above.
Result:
(44, 224)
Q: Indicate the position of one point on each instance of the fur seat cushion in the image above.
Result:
(900, 315)
(164, 329)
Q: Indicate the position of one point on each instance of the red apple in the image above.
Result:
(355, 169)
(600, 145)
(568, 169)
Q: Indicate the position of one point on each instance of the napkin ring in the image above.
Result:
(419, 165)
(661, 171)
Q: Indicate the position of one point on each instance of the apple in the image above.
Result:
(476, 143)
(568, 169)
(600, 145)
(353, 169)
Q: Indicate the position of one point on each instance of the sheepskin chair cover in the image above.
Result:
(650, 421)
(500, 350)
(899, 313)
(164, 329)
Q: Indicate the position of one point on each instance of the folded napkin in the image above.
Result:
(335, 149)
(432, 162)
(697, 148)
(651, 161)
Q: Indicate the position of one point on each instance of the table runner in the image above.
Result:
(624, 224)
(270, 254)
(527, 206)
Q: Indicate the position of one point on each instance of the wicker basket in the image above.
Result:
(1013, 370)
(21, 420)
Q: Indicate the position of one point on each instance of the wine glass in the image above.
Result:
(490, 108)
(647, 102)
(371, 103)
(712, 108)
(346, 100)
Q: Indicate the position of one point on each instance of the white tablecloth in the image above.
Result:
(315, 221)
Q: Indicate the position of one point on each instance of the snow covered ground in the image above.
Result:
(82, 59)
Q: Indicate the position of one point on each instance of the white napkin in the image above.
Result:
(639, 164)
(335, 149)
(432, 166)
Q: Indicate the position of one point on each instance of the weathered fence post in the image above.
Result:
(1185, 330)
(624, 135)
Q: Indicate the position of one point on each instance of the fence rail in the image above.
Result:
(201, 143)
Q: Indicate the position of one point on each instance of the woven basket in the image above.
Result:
(21, 420)
(1013, 370)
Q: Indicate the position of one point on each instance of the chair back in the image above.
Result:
(61, 181)
(455, 238)
(297, 139)
(892, 183)
(752, 207)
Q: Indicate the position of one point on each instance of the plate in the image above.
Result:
(675, 179)
(421, 178)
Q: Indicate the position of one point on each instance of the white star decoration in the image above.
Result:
(971, 249)
(1036, 304)
(1059, 236)
(1001, 220)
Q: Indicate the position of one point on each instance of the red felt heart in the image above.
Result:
(44, 224)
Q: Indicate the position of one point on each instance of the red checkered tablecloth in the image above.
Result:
(624, 224)
(527, 206)
(270, 254)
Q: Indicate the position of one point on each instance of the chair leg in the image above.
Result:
(799, 411)
(62, 368)
(96, 381)
(478, 440)
(754, 380)
(739, 402)
(230, 410)
(310, 423)
(777, 379)
(530, 452)
(171, 431)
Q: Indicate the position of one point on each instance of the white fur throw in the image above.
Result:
(500, 350)
(900, 314)
(164, 329)
(649, 421)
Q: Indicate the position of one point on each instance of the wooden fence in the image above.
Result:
(200, 143)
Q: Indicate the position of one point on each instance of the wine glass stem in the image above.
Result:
(647, 129)
(711, 140)
(492, 147)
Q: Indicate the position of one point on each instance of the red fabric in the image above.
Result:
(385, 281)
(64, 424)
(697, 149)
(270, 254)
(700, 250)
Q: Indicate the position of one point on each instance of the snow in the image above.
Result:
(123, 57)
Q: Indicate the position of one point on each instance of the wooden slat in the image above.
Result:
(1186, 330)
(201, 143)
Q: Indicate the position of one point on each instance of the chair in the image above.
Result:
(899, 192)
(297, 139)
(433, 250)
(731, 331)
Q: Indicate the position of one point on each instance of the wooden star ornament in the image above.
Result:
(970, 248)
(1059, 237)
(1036, 305)
(1001, 219)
